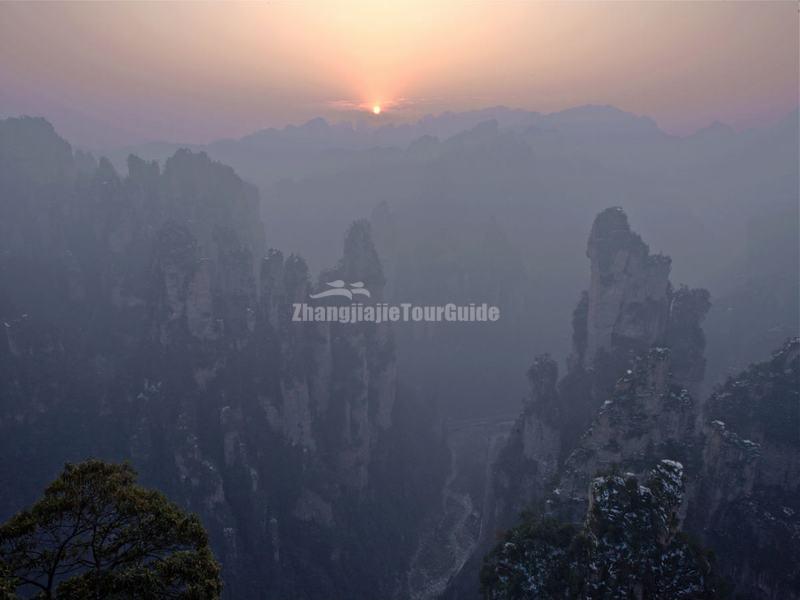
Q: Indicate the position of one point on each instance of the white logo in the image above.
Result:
(384, 312)
(338, 289)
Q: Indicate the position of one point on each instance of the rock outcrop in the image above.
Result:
(626, 396)
(746, 500)
(634, 377)
(628, 299)
(629, 546)
(647, 417)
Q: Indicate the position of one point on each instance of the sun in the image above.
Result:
(376, 109)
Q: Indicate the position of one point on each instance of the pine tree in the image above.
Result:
(97, 534)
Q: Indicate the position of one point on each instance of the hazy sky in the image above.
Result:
(124, 73)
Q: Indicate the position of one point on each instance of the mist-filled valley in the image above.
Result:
(628, 427)
(496, 205)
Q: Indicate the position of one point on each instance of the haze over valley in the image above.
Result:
(189, 206)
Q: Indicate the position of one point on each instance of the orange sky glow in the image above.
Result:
(129, 72)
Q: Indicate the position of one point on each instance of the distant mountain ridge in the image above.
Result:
(320, 135)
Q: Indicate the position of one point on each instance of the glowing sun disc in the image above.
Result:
(376, 109)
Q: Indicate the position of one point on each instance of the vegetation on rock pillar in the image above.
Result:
(628, 547)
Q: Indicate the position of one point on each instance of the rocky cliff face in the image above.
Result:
(143, 320)
(631, 392)
(647, 417)
(629, 546)
(625, 398)
(629, 290)
(637, 353)
(746, 502)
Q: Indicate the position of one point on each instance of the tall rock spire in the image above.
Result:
(629, 290)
